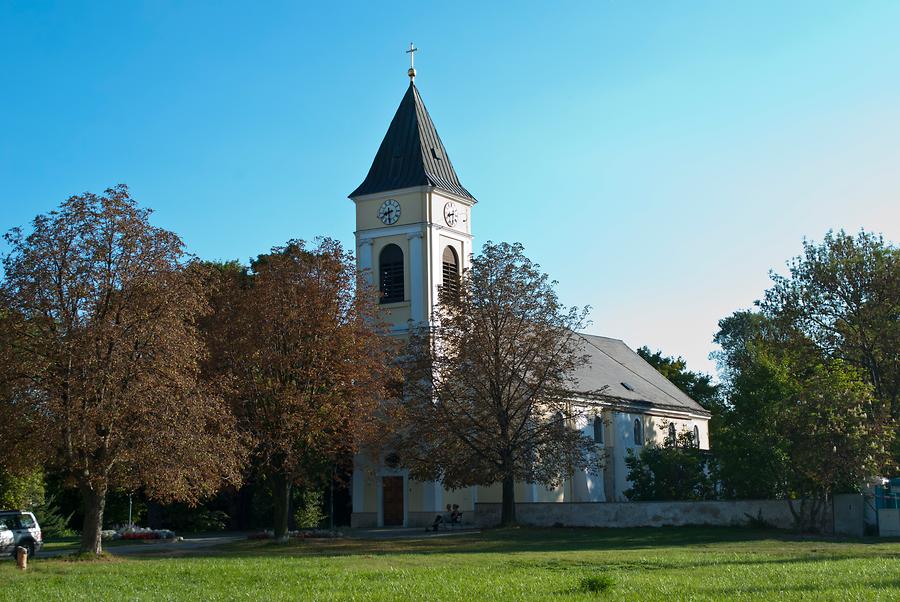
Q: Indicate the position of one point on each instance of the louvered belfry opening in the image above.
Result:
(390, 262)
(450, 271)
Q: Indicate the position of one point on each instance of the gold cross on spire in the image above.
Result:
(412, 61)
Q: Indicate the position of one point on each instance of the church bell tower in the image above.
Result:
(413, 217)
(413, 236)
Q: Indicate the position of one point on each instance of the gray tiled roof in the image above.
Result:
(613, 363)
(411, 154)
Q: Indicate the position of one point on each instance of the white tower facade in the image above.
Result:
(413, 236)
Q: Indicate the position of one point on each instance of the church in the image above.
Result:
(414, 228)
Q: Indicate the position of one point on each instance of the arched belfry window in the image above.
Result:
(598, 430)
(559, 421)
(638, 432)
(696, 436)
(673, 437)
(390, 270)
(450, 271)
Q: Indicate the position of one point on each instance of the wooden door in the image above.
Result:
(392, 496)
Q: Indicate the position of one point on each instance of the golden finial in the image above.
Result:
(412, 62)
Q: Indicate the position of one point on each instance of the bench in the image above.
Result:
(449, 524)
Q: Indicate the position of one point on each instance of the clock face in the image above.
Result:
(451, 214)
(389, 212)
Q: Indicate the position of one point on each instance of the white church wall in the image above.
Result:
(659, 429)
(587, 483)
(623, 434)
(462, 497)
(436, 207)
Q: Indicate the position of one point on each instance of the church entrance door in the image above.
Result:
(392, 496)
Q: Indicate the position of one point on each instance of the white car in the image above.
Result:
(25, 530)
(7, 540)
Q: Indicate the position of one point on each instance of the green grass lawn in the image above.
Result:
(517, 564)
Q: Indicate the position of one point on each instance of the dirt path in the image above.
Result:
(186, 545)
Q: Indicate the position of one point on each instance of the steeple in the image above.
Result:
(411, 153)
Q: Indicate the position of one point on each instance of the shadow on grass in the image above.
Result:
(772, 591)
(771, 546)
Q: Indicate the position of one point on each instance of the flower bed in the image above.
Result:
(138, 534)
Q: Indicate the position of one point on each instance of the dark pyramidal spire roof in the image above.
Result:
(411, 154)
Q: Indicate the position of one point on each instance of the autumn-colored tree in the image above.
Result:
(297, 339)
(100, 314)
(488, 389)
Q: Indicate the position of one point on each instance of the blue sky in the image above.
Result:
(656, 158)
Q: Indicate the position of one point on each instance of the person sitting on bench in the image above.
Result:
(455, 516)
(441, 518)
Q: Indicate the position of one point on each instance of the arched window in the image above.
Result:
(450, 271)
(598, 430)
(559, 422)
(638, 432)
(696, 435)
(390, 270)
(672, 435)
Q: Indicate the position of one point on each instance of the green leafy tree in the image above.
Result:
(310, 514)
(22, 491)
(834, 441)
(797, 425)
(810, 380)
(751, 455)
(842, 297)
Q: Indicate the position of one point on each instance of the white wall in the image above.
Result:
(643, 514)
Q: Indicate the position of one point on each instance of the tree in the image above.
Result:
(695, 385)
(21, 490)
(487, 396)
(750, 452)
(843, 297)
(306, 362)
(834, 441)
(676, 470)
(797, 424)
(823, 348)
(100, 315)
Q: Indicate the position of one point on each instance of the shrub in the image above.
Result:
(758, 522)
(53, 523)
(596, 584)
(309, 515)
(676, 470)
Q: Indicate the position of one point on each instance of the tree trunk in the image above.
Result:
(281, 491)
(93, 502)
(508, 512)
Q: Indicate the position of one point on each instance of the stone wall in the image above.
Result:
(642, 514)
